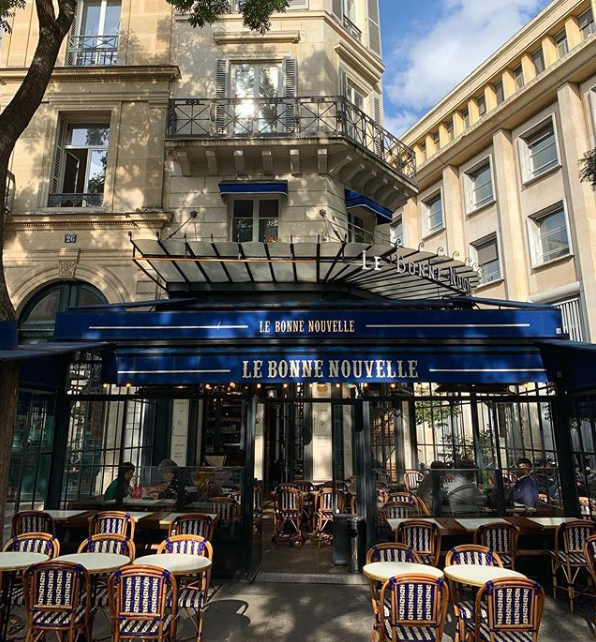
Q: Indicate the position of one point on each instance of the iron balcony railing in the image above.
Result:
(92, 51)
(75, 200)
(306, 117)
(352, 29)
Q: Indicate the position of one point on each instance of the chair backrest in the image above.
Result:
(192, 524)
(414, 600)
(412, 479)
(391, 552)
(228, 509)
(237, 495)
(304, 485)
(140, 593)
(513, 606)
(329, 501)
(288, 499)
(498, 536)
(114, 522)
(34, 543)
(473, 554)
(573, 534)
(54, 591)
(404, 498)
(400, 510)
(32, 521)
(422, 537)
(186, 544)
(109, 543)
(590, 555)
(338, 485)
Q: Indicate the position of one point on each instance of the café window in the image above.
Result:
(255, 220)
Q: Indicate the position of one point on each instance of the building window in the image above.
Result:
(80, 165)
(94, 40)
(433, 208)
(538, 58)
(518, 77)
(465, 116)
(255, 220)
(357, 229)
(397, 231)
(540, 151)
(258, 86)
(550, 235)
(436, 139)
(573, 323)
(422, 146)
(487, 253)
(481, 102)
(586, 23)
(499, 92)
(479, 187)
(449, 127)
(561, 43)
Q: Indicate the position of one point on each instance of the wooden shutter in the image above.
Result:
(222, 73)
(72, 41)
(58, 154)
(337, 8)
(374, 29)
(290, 73)
(379, 136)
(343, 82)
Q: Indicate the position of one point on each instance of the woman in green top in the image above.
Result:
(126, 471)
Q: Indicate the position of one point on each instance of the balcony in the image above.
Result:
(352, 29)
(92, 51)
(75, 200)
(333, 132)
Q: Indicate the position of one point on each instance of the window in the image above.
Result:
(480, 187)
(80, 165)
(487, 252)
(518, 77)
(481, 102)
(499, 91)
(573, 323)
(561, 43)
(357, 232)
(95, 34)
(449, 127)
(422, 146)
(465, 116)
(436, 139)
(540, 151)
(538, 58)
(255, 220)
(586, 23)
(397, 231)
(258, 86)
(350, 19)
(550, 235)
(433, 207)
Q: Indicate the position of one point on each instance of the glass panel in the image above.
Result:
(538, 57)
(268, 88)
(97, 172)
(543, 150)
(47, 308)
(482, 188)
(112, 20)
(268, 230)
(554, 241)
(435, 213)
(90, 18)
(488, 259)
(499, 93)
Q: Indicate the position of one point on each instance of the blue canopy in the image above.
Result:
(355, 199)
(253, 187)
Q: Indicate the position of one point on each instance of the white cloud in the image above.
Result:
(423, 68)
(401, 121)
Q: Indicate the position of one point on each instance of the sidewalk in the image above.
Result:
(266, 612)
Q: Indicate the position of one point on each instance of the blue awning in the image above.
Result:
(253, 187)
(8, 335)
(354, 199)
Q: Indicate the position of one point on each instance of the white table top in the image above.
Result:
(551, 522)
(63, 515)
(176, 563)
(18, 561)
(394, 523)
(384, 570)
(97, 562)
(168, 519)
(472, 523)
(476, 575)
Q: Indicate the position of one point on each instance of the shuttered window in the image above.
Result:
(488, 259)
(572, 318)
(374, 29)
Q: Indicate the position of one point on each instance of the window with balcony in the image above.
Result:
(433, 214)
(487, 253)
(561, 43)
(539, 151)
(518, 77)
(94, 35)
(479, 187)
(586, 23)
(499, 92)
(350, 18)
(549, 235)
(538, 58)
(481, 103)
(258, 86)
(80, 165)
(255, 220)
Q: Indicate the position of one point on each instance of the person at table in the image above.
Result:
(425, 489)
(463, 493)
(168, 487)
(525, 490)
(125, 473)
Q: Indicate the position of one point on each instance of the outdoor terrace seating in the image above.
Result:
(501, 538)
(114, 522)
(422, 537)
(32, 521)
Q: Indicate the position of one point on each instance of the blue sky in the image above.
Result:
(430, 45)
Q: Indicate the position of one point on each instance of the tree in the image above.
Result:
(53, 27)
(588, 168)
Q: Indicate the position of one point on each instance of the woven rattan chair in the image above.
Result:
(422, 537)
(288, 511)
(307, 489)
(568, 556)
(228, 512)
(402, 497)
(114, 522)
(109, 543)
(507, 610)
(32, 521)
(399, 510)
(411, 607)
(327, 503)
(193, 524)
(34, 543)
(387, 552)
(412, 479)
(501, 538)
(193, 592)
(57, 600)
(139, 604)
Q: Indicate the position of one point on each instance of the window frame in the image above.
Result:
(559, 38)
(485, 240)
(582, 30)
(471, 206)
(255, 215)
(481, 99)
(426, 202)
(535, 238)
(518, 77)
(539, 53)
(499, 89)
(528, 173)
(465, 116)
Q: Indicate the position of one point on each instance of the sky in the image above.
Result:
(429, 46)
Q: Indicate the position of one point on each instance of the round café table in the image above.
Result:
(382, 571)
(176, 563)
(476, 575)
(97, 563)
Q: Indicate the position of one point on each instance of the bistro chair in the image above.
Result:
(501, 538)
(338, 485)
(411, 607)
(193, 524)
(590, 555)
(307, 489)
(327, 503)
(34, 543)
(237, 495)
(227, 510)
(507, 610)
(114, 522)
(288, 511)
(388, 552)
(33, 521)
(412, 479)
(399, 510)
(109, 543)
(403, 497)
(568, 556)
(422, 537)
(139, 605)
(57, 600)
(193, 593)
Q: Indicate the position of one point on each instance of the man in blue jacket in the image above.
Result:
(525, 491)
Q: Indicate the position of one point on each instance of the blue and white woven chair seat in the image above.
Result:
(401, 633)
(57, 618)
(101, 598)
(500, 636)
(575, 559)
(188, 598)
(425, 558)
(466, 610)
(143, 627)
(17, 596)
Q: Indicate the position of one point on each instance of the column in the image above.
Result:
(453, 212)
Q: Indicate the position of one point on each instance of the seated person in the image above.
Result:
(168, 487)
(125, 472)
(425, 489)
(525, 490)
(463, 493)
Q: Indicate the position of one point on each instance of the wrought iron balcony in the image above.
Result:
(92, 51)
(352, 29)
(75, 200)
(9, 194)
(304, 117)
